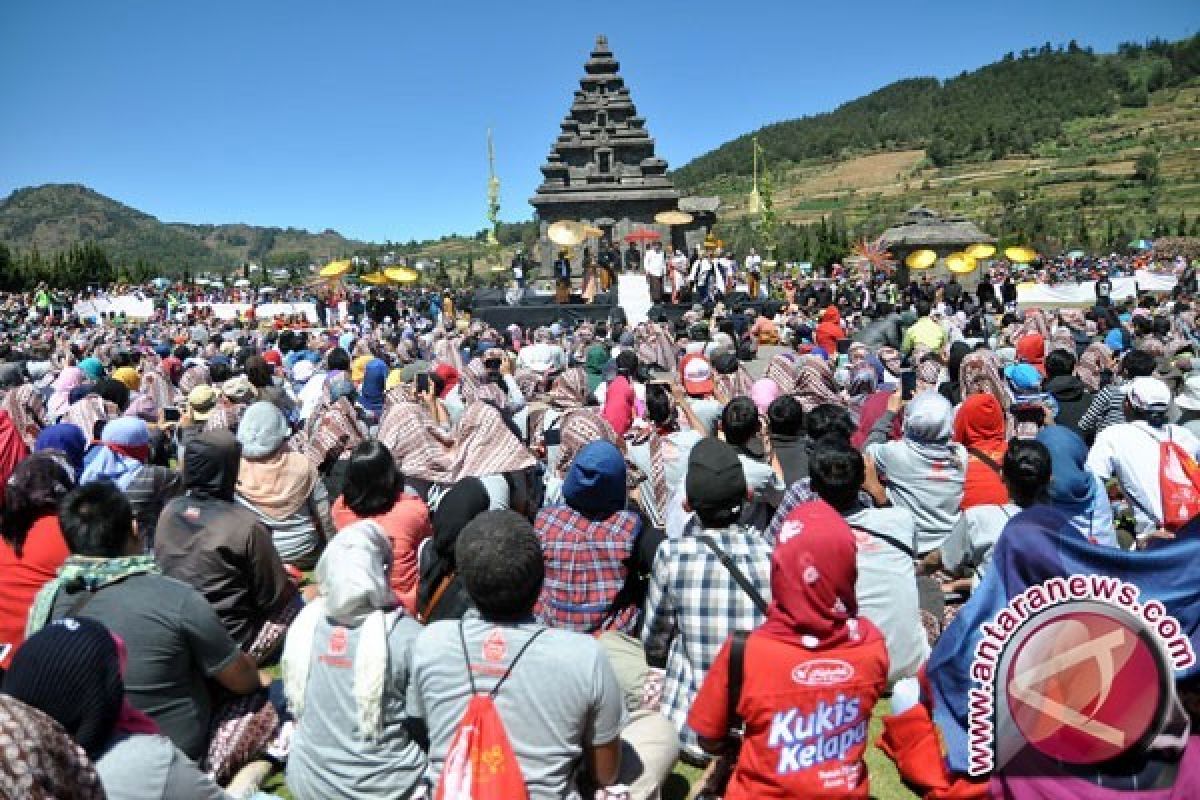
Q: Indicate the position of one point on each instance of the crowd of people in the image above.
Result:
(390, 555)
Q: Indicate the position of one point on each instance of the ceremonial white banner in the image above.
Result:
(1084, 294)
(139, 308)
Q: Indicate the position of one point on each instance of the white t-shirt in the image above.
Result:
(973, 537)
(655, 263)
(1130, 452)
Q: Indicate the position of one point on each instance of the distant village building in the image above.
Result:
(925, 229)
(602, 169)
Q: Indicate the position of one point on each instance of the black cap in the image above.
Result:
(715, 479)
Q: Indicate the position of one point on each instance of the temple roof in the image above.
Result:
(603, 150)
(924, 227)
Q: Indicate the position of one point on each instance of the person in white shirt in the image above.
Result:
(1131, 451)
(753, 265)
(679, 269)
(655, 264)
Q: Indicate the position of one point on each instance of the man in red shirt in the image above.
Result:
(818, 671)
(619, 398)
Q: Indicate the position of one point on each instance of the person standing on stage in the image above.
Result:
(679, 270)
(520, 264)
(633, 258)
(609, 260)
(562, 277)
(753, 266)
(590, 280)
(656, 268)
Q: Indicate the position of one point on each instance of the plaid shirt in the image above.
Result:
(798, 494)
(585, 569)
(692, 607)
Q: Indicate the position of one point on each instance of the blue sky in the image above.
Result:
(370, 117)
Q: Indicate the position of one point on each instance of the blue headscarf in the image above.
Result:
(92, 368)
(1074, 489)
(106, 463)
(1115, 340)
(373, 386)
(67, 439)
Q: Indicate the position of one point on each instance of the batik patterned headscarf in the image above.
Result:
(27, 410)
(193, 376)
(332, 431)
(815, 385)
(782, 369)
(1095, 361)
(39, 760)
(980, 374)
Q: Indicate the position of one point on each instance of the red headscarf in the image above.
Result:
(980, 424)
(813, 572)
(1031, 349)
(12, 449)
(449, 376)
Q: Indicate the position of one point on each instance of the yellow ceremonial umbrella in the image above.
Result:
(981, 251)
(920, 259)
(374, 278)
(592, 231)
(335, 269)
(1020, 255)
(672, 218)
(960, 263)
(402, 274)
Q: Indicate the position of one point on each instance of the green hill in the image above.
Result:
(54, 217)
(1055, 148)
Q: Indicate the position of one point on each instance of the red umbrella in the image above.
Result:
(643, 235)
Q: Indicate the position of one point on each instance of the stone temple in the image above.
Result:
(602, 169)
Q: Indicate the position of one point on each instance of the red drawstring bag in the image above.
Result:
(480, 764)
(1179, 483)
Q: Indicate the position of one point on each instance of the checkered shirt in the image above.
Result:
(693, 605)
(798, 494)
(585, 569)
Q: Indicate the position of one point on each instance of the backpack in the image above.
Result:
(1179, 483)
(480, 763)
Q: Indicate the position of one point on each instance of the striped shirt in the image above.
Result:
(1107, 408)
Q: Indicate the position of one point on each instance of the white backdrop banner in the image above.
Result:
(137, 308)
(1084, 294)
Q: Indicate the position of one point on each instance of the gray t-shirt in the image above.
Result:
(150, 767)
(708, 411)
(931, 488)
(974, 535)
(887, 586)
(175, 642)
(561, 696)
(329, 756)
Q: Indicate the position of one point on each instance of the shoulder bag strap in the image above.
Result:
(986, 459)
(892, 540)
(436, 597)
(737, 669)
(738, 576)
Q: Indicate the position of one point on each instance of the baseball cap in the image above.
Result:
(1149, 394)
(715, 478)
(1023, 377)
(201, 401)
(1189, 396)
(696, 374)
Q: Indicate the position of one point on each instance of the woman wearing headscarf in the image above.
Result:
(345, 676)
(1076, 490)
(32, 547)
(26, 408)
(782, 369)
(282, 487)
(12, 447)
(1095, 367)
(568, 392)
(981, 428)
(731, 378)
(923, 472)
(577, 429)
(38, 759)
(812, 622)
(1031, 349)
(440, 594)
(815, 384)
(597, 358)
(69, 379)
(374, 384)
(120, 457)
(868, 403)
(72, 671)
(374, 490)
(66, 439)
(979, 373)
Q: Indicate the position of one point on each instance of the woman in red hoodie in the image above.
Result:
(818, 670)
(829, 330)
